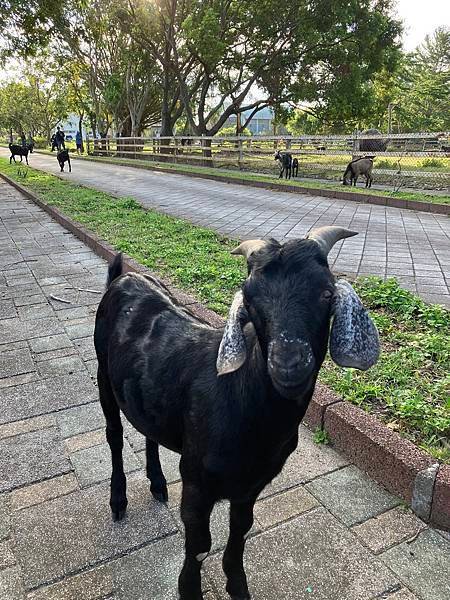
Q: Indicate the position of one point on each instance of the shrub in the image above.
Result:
(432, 162)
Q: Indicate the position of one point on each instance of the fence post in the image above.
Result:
(88, 144)
(241, 154)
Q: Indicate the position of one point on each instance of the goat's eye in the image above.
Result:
(327, 295)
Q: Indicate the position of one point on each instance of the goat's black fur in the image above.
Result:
(17, 150)
(285, 161)
(295, 167)
(157, 364)
(62, 158)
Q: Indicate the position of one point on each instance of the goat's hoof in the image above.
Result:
(118, 515)
(161, 496)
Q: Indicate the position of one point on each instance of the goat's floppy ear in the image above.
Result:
(233, 350)
(354, 338)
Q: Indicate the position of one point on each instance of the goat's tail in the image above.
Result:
(115, 269)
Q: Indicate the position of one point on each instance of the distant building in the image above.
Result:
(70, 127)
(260, 124)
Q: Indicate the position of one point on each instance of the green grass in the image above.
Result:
(409, 388)
(320, 436)
(242, 175)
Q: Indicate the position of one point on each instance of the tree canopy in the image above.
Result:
(123, 65)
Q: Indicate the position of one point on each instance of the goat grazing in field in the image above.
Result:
(229, 400)
(17, 150)
(359, 166)
(62, 158)
(295, 167)
(285, 161)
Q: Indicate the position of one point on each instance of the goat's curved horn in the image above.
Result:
(326, 237)
(248, 247)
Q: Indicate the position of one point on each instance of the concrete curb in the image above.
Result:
(443, 209)
(393, 461)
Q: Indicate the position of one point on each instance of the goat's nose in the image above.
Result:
(290, 356)
(284, 361)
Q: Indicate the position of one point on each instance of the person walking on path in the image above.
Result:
(79, 142)
(59, 138)
(23, 139)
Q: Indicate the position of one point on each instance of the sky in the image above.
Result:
(421, 17)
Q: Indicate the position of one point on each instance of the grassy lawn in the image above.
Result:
(409, 389)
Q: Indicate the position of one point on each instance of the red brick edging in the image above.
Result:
(393, 461)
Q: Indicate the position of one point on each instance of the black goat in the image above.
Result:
(229, 401)
(295, 167)
(285, 161)
(63, 157)
(359, 166)
(17, 150)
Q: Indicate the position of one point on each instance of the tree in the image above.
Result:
(218, 51)
(49, 96)
(15, 101)
(207, 57)
(423, 99)
(28, 25)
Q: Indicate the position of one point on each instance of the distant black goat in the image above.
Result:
(63, 157)
(295, 167)
(285, 161)
(359, 166)
(229, 400)
(17, 150)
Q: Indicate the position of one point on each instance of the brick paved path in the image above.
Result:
(412, 246)
(322, 530)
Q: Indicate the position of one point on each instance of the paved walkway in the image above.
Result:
(412, 246)
(323, 530)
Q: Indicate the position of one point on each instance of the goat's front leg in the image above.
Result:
(241, 521)
(196, 507)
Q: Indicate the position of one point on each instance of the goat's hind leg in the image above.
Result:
(158, 483)
(241, 521)
(114, 436)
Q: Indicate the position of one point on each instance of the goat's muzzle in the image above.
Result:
(290, 363)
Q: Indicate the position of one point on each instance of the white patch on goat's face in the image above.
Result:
(201, 557)
(288, 340)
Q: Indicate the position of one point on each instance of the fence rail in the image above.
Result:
(418, 160)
